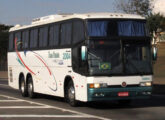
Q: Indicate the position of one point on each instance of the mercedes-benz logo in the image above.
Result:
(124, 84)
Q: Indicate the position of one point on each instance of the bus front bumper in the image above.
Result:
(107, 94)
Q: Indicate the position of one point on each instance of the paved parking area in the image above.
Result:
(17, 109)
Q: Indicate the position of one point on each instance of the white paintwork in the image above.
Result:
(5, 101)
(23, 107)
(45, 116)
(118, 80)
(43, 81)
(58, 17)
(84, 115)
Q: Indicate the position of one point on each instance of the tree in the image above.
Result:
(140, 7)
(156, 24)
(4, 36)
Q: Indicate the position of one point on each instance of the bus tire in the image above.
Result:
(23, 87)
(31, 93)
(71, 94)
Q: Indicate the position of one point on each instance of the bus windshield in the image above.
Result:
(108, 58)
(114, 27)
(137, 57)
(104, 59)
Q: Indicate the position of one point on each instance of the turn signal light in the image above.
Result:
(98, 85)
(91, 85)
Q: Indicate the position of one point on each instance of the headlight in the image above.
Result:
(145, 84)
(98, 85)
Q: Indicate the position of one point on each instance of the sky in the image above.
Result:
(14, 12)
(23, 11)
(159, 6)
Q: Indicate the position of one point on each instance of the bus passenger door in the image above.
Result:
(78, 65)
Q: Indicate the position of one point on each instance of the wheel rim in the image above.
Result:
(71, 93)
(22, 87)
(30, 88)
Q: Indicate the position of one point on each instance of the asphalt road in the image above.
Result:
(14, 107)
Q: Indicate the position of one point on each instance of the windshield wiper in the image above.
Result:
(115, 54)
(129, 61)
(97, 58)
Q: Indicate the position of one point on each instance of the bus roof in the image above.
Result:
(62, 17)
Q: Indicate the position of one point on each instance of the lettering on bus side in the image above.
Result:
(53, 55)
(66, 56)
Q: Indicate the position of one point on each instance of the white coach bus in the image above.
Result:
(82, 57)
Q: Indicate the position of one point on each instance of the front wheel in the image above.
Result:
(31, 88)
(70, 94)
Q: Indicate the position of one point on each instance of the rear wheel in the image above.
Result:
(70, 94)
(31, 88)
(23, 88)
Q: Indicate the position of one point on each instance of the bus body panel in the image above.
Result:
(119, 93)
(130, 80)
(48, 69)
(132, 88)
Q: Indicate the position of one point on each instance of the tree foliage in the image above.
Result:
(4, 36)
(140, 7)
(144, 8)
(156, 22)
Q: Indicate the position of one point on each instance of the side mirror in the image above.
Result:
(154, 53)
(83, 53)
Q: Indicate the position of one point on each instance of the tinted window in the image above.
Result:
(131, 28)
(25, 39)
(33, 38)
(19, 40)
(78, 31)
(11, 41)
(54, 35)
(43, 37)
(114, 28)
(66, 33)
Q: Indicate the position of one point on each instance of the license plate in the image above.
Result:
(123, 94)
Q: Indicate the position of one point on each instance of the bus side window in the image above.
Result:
(43, 37)
(54, 35)
(25, 39)
(11, 41)
(78, 31)
(34, 38)
(19, 40)
(66, 33)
